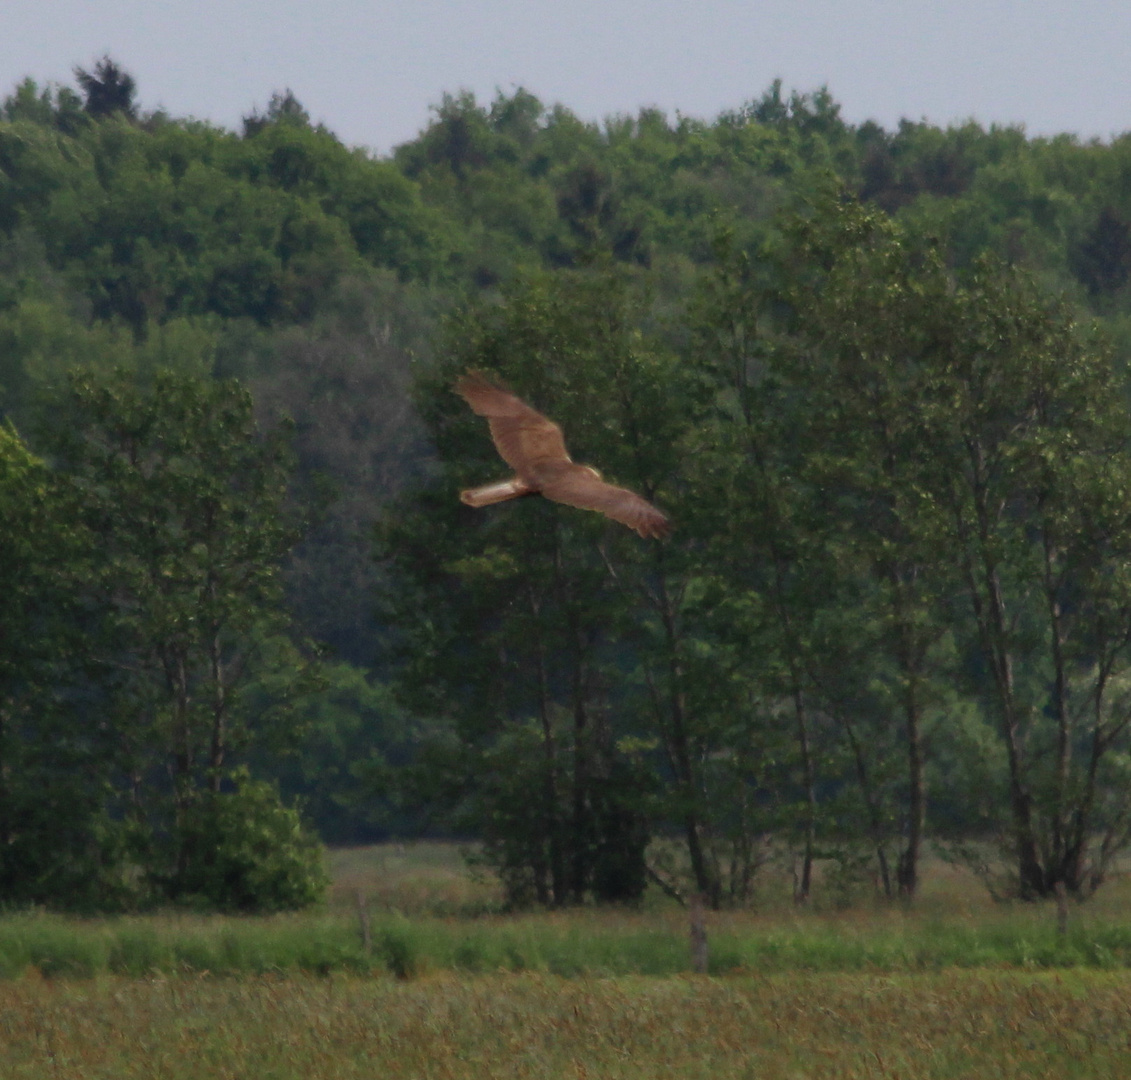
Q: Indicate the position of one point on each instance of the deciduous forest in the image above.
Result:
(877, 379)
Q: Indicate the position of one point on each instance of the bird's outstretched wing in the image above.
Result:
(576, 485)
(525, 439)
(533, 446)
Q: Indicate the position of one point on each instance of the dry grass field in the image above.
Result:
(416, 878)
(433, 878)
(955, 988)
(966, 1026)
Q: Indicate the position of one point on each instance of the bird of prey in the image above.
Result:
(533, 446)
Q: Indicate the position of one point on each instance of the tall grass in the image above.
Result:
(934, 1026)
(577, 944)
(409, 896)
(951, 989)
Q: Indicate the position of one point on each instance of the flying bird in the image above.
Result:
(533, 446)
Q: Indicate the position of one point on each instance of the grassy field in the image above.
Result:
(448, 987)
(961, 1025)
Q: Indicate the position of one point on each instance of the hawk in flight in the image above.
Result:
(533, 446)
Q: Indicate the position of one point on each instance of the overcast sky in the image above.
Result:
(371, 69)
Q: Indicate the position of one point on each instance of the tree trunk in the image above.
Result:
(808, 778)
(872, 803)
(706, 883)
(1060, 855)
(582, 816)
(988, 601)
(1030, 874)
(5, 792)
(219, 715)
(550, 780)
(908, 869)
(582, 830)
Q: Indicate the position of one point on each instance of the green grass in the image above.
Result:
(411, 897)
(576, 944)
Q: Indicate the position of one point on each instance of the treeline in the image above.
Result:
(896, 597)
(786, 329)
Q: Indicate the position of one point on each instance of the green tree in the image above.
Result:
(1035, 463)
(58, 107)
(345, 382)
(251, 853)
(874, 320)
(577, 680)
(762, 537)
(971, 440)
(108, 89)
(58, 845)
(509, 620)
(184, 503)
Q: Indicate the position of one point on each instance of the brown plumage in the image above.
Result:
(533, 446)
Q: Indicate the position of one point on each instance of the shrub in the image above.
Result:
(245, 851)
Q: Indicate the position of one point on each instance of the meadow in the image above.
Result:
(410, 970)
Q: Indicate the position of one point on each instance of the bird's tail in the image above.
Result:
(494, 493)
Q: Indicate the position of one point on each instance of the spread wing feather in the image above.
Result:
(575, 485)
(533, 446)
(524, 438)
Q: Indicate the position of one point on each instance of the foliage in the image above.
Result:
(863, 437)
(159, 605)
(345, 383)
(972, 437)
(354, 737)
(796, 333)
(164, 219)
(108, 89)
(525, 649)
(245, 851)
(56, 839)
